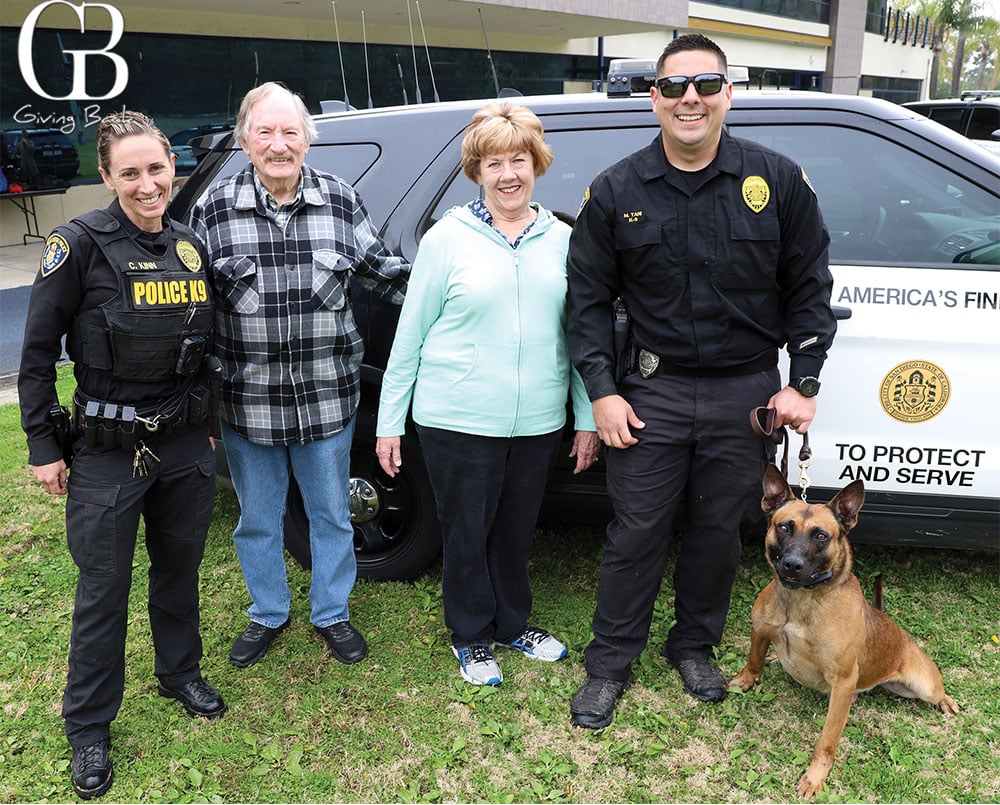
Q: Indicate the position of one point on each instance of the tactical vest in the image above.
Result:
(159, 325)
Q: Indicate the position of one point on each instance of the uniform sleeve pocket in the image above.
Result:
(236, 283)
(329, 279)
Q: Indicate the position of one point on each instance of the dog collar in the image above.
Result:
(822, 578)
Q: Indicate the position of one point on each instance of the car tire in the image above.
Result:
(396, 532)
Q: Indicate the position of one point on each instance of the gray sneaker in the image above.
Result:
(538, 644)
(477, 664)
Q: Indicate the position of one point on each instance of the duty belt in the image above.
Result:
(110, 425)
(651, 364)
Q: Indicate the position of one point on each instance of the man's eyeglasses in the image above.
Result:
(674, 86)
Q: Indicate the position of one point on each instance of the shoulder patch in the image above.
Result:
(189, 255)
(586, 198)
(756, 193)
(55, 253)
(808, 183)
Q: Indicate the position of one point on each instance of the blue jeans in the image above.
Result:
(260, 475)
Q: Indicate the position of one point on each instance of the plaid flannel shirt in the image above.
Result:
(285, 334)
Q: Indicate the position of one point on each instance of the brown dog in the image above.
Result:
(826, 635)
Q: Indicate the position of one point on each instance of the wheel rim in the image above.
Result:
(382, 508)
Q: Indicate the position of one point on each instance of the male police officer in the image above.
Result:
(719, 250)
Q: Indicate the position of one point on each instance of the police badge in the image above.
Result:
(648, 363)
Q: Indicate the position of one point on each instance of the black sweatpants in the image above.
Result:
(488, 492)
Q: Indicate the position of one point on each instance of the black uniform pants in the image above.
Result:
(697, 449)
(102, 520)
(488, 492)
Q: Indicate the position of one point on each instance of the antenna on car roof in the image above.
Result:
(413, 51)
(399, 67)
(489, 54)
(430, 67)
(340, 55)
(364, 39)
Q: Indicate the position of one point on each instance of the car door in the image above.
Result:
(909, 389)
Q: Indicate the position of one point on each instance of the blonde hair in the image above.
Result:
(500, 127)
(257, 94)
(118, 126)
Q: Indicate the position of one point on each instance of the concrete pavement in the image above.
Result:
(18, 266)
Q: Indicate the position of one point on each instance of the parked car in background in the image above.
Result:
(55, 154)
(910, 388)
(975, 114)
(181, 144)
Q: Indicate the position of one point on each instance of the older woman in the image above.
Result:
(126, 286)
(481, 354)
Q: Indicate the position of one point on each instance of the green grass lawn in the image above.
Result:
(403, 726)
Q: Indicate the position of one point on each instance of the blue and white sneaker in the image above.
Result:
(538, 644)
(477, 664)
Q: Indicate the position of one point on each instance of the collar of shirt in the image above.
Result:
(281, 213)
(652, 163)
(482, 212)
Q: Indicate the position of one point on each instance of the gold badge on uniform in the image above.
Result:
(189, 255)
(54, 254)
(915, 391)
(756, 193)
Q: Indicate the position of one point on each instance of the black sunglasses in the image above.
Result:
(674, 86)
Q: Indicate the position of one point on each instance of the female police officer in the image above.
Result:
(127, 286)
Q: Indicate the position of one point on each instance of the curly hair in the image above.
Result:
(500, 127)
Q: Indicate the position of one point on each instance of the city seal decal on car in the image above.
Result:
(756, 193)
(54, 254)
(189, 255)
(915, 391)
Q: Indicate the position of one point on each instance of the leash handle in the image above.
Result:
(762, 423)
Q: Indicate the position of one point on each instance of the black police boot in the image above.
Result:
(92, 772)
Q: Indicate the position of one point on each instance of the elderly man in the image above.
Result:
(284, 240)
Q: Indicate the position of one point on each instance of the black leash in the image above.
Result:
(762, 422)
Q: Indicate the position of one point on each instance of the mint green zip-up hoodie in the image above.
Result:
(481, 343)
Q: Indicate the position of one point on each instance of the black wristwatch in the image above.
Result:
(806, 386)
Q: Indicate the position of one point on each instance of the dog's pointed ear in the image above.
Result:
(847, 503)
(777, 492)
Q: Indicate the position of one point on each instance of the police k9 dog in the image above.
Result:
(824, 632)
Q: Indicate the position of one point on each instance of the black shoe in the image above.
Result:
(346, 642)
(701, 679)
(92, 772)
(593, 707)
(253, 643)
(198, 697)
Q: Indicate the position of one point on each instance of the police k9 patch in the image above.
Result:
(55, 253)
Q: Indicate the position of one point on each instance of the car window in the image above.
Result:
(950, 116)
(579, 156)
(984, 121)
(884, 203)
(349, 161)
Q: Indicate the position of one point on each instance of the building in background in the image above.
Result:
(190, 63)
